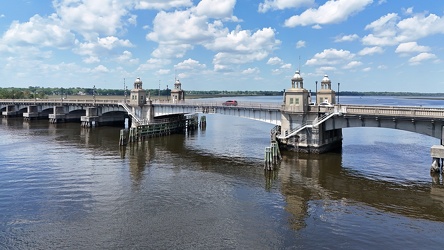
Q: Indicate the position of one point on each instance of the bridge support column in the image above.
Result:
(58, 115)
(33, 112)
(92, 117)
(11, 110)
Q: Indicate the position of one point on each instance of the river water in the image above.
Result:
(67, 187)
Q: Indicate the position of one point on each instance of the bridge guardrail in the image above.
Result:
(260, 105)
(394, 111)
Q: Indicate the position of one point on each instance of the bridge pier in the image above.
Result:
(33, 112)
(58, 115)
(91, 119)
(11, 110)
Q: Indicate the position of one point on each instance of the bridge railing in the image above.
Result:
(259, 105)
(61, 101)
(393, 111)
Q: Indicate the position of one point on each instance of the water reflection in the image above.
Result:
(306, 178)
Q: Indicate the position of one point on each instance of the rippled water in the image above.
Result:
(65, 187)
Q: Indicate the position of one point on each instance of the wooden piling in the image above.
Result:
(272, 156)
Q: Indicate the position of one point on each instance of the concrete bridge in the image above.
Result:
(300, 124)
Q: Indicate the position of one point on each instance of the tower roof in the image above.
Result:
(326, 79)
(138, 80)
(297, 76)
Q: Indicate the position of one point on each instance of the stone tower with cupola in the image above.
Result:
(141, 111)
(296, 98)
(138, 94)
(326, 94)
(177, 94)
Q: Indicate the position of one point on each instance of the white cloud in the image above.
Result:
(216, 8)
(242, 46)
(275, 61)
(347, 38)
(286, 66)
(421, 58)
(152, 63)
(40, 32)
(251, 71)
(162, 4)
(370, 51)
(92, 19)
(331, 57)
(100, 69)
(411, 47)
(389, 30)
(408, 11)
(127, 57)
(384, 31)
(91, 59)
(190, 64)
(420, 26)
(101, 47)
(163, 72)
(283, 4)
(352, 64)
(300, 44)
(333, 11)
(183, 27)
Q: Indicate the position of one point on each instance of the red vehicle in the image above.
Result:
(230, 103)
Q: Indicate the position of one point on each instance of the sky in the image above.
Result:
(365, 45)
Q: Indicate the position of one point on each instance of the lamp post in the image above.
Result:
(35, 97)
(61, 95)
(94, 95)
(124, 89)
(316, 102)
(338, 91)
(159, 90)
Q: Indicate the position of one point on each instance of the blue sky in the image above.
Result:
(366, 45)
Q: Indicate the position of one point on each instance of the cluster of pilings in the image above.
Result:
(160, 128)
(203, 122)
(437, 153)
(272, 156)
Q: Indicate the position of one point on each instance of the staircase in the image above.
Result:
(315, 123)
(130, 113)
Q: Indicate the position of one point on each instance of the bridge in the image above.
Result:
(299, 124)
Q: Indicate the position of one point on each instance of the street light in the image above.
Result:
(35, 97)
(61, 95)
(338, 91)
(94, 95)
(124, 89)
(316, 102)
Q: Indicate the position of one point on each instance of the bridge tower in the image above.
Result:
(138, 102)
(301, 129)
(326, 94)
(177, 94)
(138, 94)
